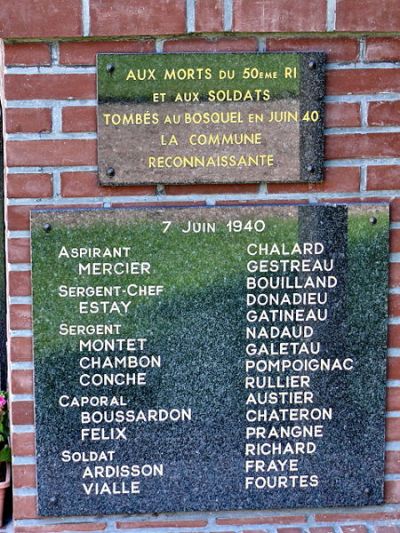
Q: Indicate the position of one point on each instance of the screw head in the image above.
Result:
(53, 499)
(373, 220)
(110, 68)
(110, 172)
(47, 227)
(312, 64)
(367, 492)
(310, 168)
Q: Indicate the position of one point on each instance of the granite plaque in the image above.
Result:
(210, 118)
(209, 358)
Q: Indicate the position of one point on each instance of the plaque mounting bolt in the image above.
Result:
(110, 68)
(47, 227)
(110, 172)
(53, 499)
(373, 220)
(312, 64)
(311, 169)
(367, 492)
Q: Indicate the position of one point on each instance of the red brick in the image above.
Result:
(209, 15)
(394, 282)
(80, 184)
(137, 17)
(80, 118)
(28, 120)
(22, 381)
(23, 444)
(338, 50)
(354, 529)
(157, 204)
(54, 86)
(212, 189)
(393, 373)
(20, 316)
(24, 507)
(343, 179)
(22, 413)
(279, 15)
(161, 523)
(258, 520)
(393, 398)
(382, 49)
(383, 177)
(362, 81)
(394, 335)
(21, 349)
(64, 527)
(19, 250)
(18, 217)
(393, 367)
(392, 463)
(384, 113)
(392, 429)
(19, 283)
(289, 530)
(367, 15)
(394, 274)
(29, 185)
(27, 54)
(51, 153)
(395, 240)
(394, 304)
(198, 44)
(322, 530)
(387, 529)
(24, 476)
(342, 115)
(362, 145)
(84, 53)
(392, 492)
(44, 18)
(395, 209)
(362, 516)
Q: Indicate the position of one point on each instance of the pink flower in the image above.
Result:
(3, 402)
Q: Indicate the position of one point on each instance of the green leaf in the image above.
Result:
(5, 454)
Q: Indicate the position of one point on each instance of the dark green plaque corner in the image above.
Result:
(191, 359)
(210, 118)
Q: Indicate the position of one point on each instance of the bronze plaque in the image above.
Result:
(210, 118)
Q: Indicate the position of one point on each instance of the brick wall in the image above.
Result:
(48, 99)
